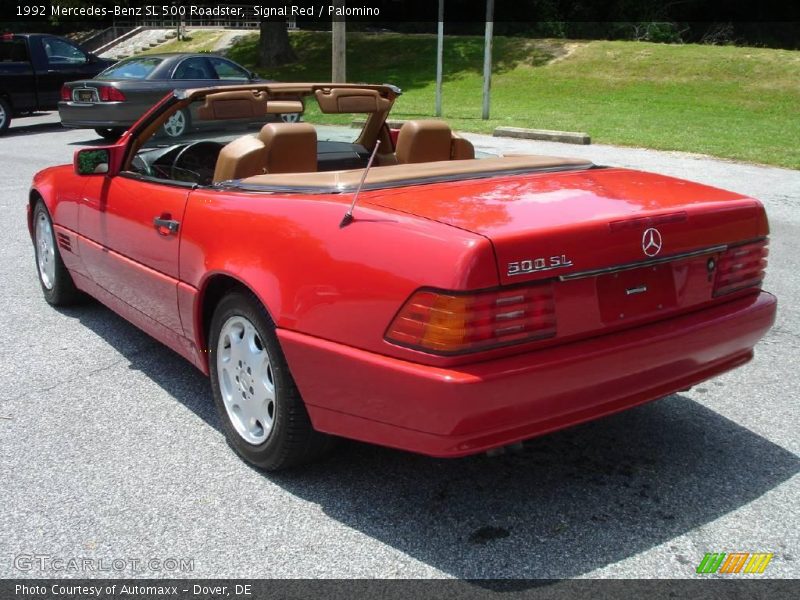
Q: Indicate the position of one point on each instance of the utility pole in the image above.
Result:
(487, 58)
(439, 54)
(339, 47)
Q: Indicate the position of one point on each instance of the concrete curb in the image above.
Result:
(567, 137)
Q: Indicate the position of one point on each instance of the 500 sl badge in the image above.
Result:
(533, 265)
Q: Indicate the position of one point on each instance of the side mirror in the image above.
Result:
(92, 161)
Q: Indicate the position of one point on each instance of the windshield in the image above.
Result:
(186, 147)
(133, 68)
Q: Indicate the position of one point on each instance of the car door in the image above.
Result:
(130, 229)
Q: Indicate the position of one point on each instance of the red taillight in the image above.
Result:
(454, 323)
(741, 267)
(66, 93)
(110, 94)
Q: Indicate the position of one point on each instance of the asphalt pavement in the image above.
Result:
(110, 447)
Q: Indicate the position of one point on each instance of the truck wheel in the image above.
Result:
(5, 115)
(56, 282)
(111, 134)
(262, 413)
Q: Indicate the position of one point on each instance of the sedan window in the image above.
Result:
(194, 68)
(134, 68)
(227, 70)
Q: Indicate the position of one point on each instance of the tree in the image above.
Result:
(274, 48)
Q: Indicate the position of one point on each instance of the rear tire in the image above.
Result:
(112, 134)
(5, 115)
(262, 413)
(56, 282)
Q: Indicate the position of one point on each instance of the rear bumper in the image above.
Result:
(469, 409)
(95, 116)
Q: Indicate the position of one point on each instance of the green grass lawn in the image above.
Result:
(196, 41)
(732, 102)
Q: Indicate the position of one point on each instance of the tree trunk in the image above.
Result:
(274, 48)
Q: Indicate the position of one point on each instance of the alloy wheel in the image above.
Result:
(246, 380)
(45, 251)
(176, 125)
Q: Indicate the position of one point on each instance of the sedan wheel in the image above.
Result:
(56, 282)
(264, 418)
(177, 125)
(290, 117)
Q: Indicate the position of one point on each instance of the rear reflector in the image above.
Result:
(454, 323)
(741, 267)
(110, 94)
(66, 93)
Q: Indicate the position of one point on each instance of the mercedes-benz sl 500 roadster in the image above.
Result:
(388, 286)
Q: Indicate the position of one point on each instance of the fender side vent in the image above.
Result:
(64, 242)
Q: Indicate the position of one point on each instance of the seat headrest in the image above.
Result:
(291, 147)
(423, 141)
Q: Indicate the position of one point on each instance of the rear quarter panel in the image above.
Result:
(340, 284)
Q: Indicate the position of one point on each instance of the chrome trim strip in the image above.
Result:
(642, 263)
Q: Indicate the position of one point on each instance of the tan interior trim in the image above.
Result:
(416, 172)
(280, 107)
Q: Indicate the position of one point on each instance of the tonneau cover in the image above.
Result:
(409, 174)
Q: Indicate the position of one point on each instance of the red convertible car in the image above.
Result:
(388, 286)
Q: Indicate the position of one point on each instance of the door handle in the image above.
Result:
(166, 226)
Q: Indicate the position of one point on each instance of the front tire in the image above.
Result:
(5, 115)
(57, 285)
(262, 413)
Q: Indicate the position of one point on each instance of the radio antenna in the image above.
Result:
(348, 216)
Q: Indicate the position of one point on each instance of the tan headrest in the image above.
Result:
(291, 147)
(461, 149)
(241, 104)
(423, 141)
(243, 157)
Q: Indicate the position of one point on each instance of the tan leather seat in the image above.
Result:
(461, 149)
(423, 141)
(278, 148)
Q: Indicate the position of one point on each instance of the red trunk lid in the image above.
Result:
(555, 224)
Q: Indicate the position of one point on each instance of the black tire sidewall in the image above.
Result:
(270, 453)
(109, 133)
(7, 121)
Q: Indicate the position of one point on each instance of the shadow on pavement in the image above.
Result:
(566, 504)
(17, 130)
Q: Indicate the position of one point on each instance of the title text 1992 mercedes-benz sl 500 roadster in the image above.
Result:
(388, 286)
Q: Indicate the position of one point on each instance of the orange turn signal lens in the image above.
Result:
(444, 322)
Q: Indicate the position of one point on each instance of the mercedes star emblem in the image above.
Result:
(651, 241)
